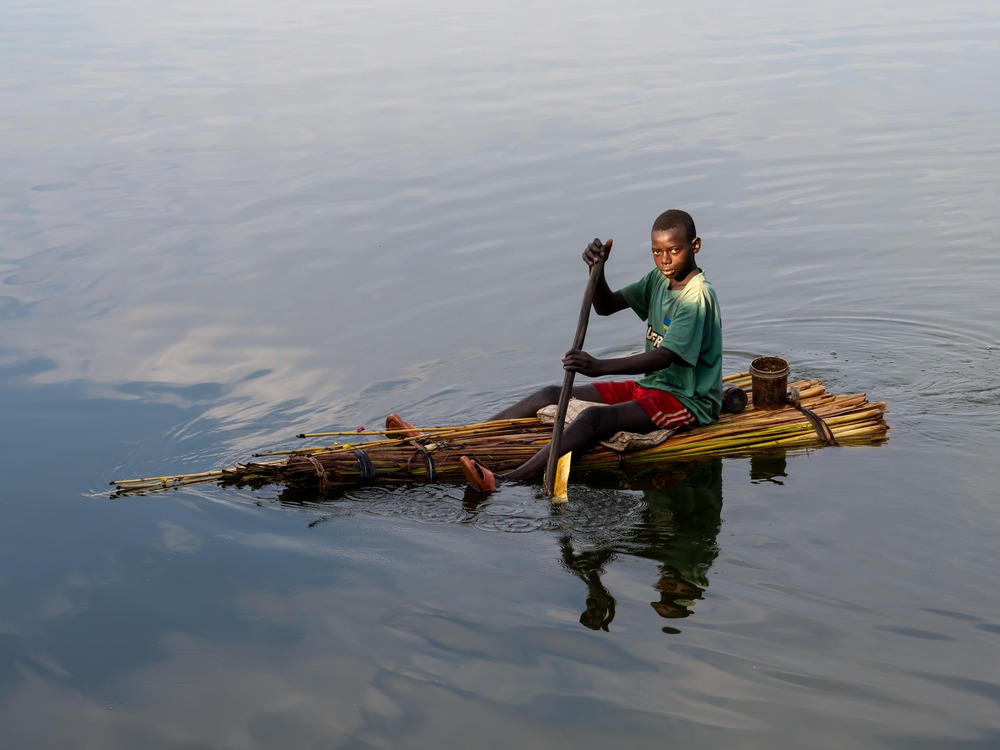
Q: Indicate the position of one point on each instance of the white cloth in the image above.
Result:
(620, 441)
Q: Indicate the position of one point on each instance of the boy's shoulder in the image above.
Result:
(698, 285)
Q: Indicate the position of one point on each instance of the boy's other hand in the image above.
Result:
(597, 250)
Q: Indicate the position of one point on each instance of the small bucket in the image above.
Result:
(769, 376)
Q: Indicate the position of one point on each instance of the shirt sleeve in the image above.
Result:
(637, 296)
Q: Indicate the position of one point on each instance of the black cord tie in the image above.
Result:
(365, 464)
(431, 469)
(822, 428)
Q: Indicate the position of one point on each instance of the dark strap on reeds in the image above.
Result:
(822, 428)
(428, 461)
(324, 480)
(365, 464)
(431, 469)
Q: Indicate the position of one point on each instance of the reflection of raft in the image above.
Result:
(434, 455)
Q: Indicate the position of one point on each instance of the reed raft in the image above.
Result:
(503, 445)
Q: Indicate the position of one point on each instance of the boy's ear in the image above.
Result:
(696, 244)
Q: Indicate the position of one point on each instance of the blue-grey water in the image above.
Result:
(222, 224)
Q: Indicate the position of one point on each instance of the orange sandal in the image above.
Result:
(399, 428)
(477, 475)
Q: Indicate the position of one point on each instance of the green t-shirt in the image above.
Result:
(689, 324)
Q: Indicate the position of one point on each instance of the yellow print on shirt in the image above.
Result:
(657, 338)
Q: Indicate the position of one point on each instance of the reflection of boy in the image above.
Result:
(684, 515)
(678, 528)
(682, 361)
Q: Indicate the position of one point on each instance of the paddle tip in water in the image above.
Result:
(560, 487)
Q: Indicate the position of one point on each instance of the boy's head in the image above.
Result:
(674, 243)
(676, 219)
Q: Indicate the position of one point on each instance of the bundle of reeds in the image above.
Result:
(503, 445)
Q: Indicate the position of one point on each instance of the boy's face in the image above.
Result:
(674, 254)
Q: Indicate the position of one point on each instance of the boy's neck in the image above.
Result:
(675, 285)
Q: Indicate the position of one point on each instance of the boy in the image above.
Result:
(682, 361)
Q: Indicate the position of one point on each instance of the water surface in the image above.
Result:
(223, 225)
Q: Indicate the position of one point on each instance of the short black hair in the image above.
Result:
(675, 218)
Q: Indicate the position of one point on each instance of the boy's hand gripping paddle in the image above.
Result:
(557, 468)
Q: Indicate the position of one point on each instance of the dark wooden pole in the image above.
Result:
(555, 447)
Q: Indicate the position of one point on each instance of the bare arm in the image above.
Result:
(635, 364)
(606, 302)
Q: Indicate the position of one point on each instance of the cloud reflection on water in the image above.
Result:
(206, 214)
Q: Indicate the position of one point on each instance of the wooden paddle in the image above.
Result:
(557, 468)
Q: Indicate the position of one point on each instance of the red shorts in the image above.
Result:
(663, 408)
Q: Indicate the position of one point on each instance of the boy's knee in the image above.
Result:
(592, 418)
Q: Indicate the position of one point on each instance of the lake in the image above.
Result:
(224, 224)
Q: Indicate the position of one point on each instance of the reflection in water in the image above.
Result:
(768, 467)
(674, 522)
(588, 566)
(678, 528)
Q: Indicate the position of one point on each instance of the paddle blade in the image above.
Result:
(560, 492)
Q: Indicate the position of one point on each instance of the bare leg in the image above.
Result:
(529, 406)
(592, 425)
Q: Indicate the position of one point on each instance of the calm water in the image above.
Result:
(226, 223)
